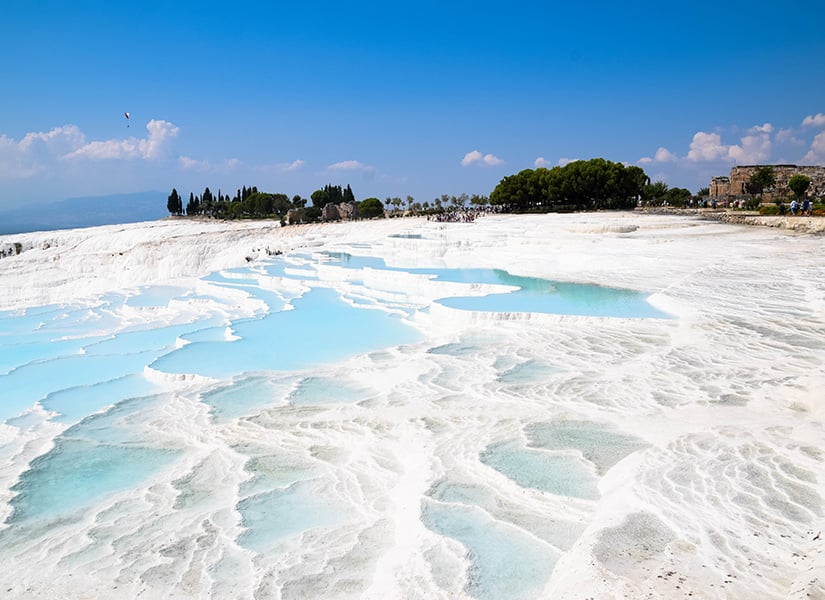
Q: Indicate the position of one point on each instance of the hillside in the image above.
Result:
(89, 211)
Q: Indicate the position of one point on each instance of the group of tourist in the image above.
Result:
(806, 207)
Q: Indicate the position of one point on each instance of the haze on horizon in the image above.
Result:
(397, 100)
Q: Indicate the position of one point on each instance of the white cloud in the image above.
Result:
(755, 149)
(471, 157)
(152, 147)
(816, 155)
(293, 166)
(347, 165)
(662, 155)
(707, 146)
(277, 168)
(475, 157)
(766, 128)
(58, 141)
(37, 152)
(352, 165)
(160, 134)
(817, 120)
(788, 136)
(190, 163)
(204, 166)
(544, 163)
(110, 149)
(41, 152)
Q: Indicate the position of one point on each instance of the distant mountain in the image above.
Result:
(86, 212)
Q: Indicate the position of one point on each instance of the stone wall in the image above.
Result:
(346, 211)
(719, 186)
(735, 185)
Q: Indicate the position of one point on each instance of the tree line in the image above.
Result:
(249, 202)
(594, 184)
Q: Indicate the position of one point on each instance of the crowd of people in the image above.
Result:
(462, 215)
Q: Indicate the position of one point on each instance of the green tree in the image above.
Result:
(312, 214)
(520, 191)
(348, 196)
(174, 204)
(654, 192)
(583, 184)
(371, 207)
(280, 204)
(333, 194)
(677, 196)
(320, 198)
(634, 179)
(259, 204)
(799, 184)
(193, 206)
(336, 194)
(220, 208)
(236, 210)
(762, 178)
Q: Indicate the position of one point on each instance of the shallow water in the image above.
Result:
(318, 330)
(505, 561)
(311, 426)
(530, 294)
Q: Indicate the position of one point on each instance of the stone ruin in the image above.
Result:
(736, 184)
(346, 211)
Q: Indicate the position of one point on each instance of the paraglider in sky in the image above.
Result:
(127, 118)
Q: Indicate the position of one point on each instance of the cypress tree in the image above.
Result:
(173, 203)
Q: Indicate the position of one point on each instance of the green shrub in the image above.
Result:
(370, 208)
(769, 209)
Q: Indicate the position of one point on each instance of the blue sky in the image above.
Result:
(395, 98)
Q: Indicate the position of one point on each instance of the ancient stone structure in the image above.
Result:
(348, 210)
(719, 186)
(736, 184)
(294, 216)
(345, 211)
(330, 213)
